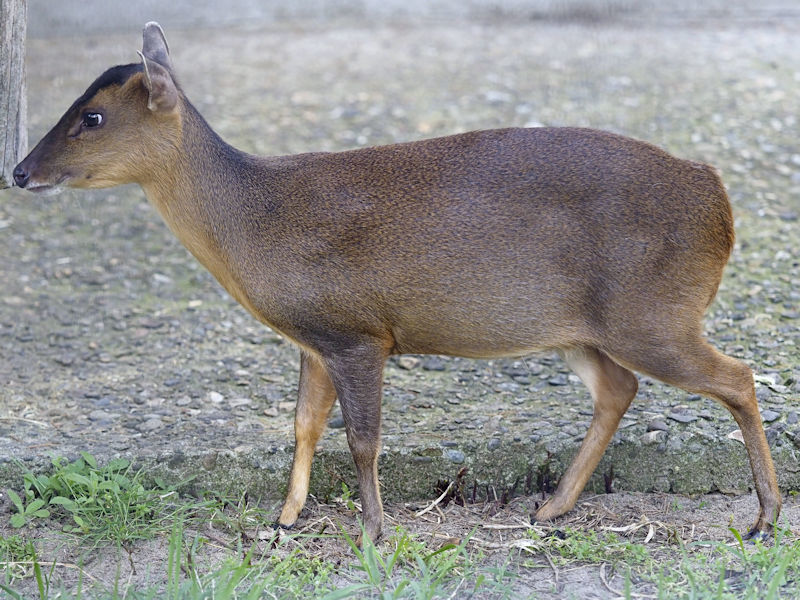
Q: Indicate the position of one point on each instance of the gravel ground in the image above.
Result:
(113, 340)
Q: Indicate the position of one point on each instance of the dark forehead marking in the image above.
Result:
(114, 76)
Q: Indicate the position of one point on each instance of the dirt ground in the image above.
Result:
(664, 523)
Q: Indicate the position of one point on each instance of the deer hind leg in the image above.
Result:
(612, 388)
(316, 396)
(697, 367)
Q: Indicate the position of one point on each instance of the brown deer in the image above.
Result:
(485, 244)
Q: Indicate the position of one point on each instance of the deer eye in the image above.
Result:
(92, 119)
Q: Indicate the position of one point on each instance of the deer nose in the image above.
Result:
(21, 176)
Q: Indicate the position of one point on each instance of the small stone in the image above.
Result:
(694, 397)
(65, 360)
(654, 437)
(236, 402)
(215, 397)
(770, 415)
(493, 444)
(456, 456)
(271, 411)
(534, 368)
(772, 433)
(559, 379)
(507, 386)
(100, 415)
(657, 425)
(682, 417)
(792, 418)
(151, 424)
(433, 363)
(336, 422)
(183, 401)
(408, 362)
(736, 434)
(286, 406)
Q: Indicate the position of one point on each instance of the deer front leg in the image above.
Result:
(357, 374)
(316, 396)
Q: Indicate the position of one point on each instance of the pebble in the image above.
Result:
(657, 425)
(770, 415)
(507, 386)
(772, 433)
(763, 393)
(433, 363)
(455, 456)
(151, 424)
(654, 437)
(792, 418)
(682, 417)
(559, 379)
(408, 362)
(493, 444)
(215, 397)
(271, 411)
(736, 434)
(336, 422)
(101, 415)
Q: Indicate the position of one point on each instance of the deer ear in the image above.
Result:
(163, 92)
(154, 45)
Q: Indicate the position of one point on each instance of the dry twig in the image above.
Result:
(436, 502)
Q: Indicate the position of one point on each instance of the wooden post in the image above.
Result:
(13, 103)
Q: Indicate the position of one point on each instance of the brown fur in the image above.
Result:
(485, 244)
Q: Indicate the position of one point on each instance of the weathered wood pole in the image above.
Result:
(13, 103)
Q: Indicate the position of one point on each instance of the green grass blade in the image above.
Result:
(11, 593)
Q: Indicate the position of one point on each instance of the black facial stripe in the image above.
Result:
(114, 76)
